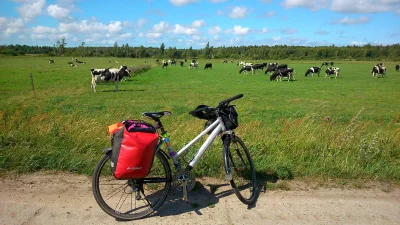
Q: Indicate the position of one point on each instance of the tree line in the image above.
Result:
(278, 52)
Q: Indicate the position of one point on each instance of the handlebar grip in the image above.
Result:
(226, 101)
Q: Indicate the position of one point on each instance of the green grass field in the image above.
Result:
(313, 127)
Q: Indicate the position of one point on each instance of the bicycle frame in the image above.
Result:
(216, 127)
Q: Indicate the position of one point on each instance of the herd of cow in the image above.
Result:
(275, 70)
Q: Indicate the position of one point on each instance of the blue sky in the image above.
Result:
(193, 23)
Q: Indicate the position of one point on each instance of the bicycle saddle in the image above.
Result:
(156, 115)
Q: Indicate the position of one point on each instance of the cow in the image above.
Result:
(74, 59)
(246, 69)
(181, 63)
(313, 70)
(225, 61)
(324, 64)
(332, 70)
(81, 62)
(258, 67)
(172, 62)
(208, 65)
(109, 75)
(397, 67)
(280, 73)
(51, 61)
(73, 65)
(331, 64)
(376, 70)
(194, 65)
(270, 68)
(164, 64)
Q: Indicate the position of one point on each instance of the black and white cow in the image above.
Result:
(397, 67)
(332, 71)
(270, 69)
(225, 61)
(81, 62)
(172, 62)
(109, 75)
(331, 64)
(208, 65)
(51, 61)
(164, 64)
(258, 67)
(246, 69)
(313, 70)
(194, 64)
(376, 70)
(74, 59)
(73, 65)
(280, 73)
(324, 64)
(181, 62)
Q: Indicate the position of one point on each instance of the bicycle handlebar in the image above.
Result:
(228, 100)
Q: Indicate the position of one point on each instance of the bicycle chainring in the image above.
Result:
(182, 176)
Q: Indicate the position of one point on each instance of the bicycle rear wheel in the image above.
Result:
(134, 198)
(240, 169)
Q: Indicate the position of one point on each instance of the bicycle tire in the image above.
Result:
(134, 198)
(239, 169)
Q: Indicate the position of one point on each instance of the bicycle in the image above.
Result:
(137, 198)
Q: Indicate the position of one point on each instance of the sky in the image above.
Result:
(194, 23)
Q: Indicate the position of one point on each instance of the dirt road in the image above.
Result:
(44, 198)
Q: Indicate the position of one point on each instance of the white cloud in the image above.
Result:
(58, 12)
(85, 26)
(268, 14)
(239, 30)
(179, 29)
(198, 23)
(214, 30)
(161, 27)
(313, 5)
(349, 21)
(182, 2)
(365, 6)
(31, 9)
(153, 35)
(289, 31)
(44, 30)
(14, 26)
(220, 12)
(3, 22)
(358, 43)
(238, 12)
(264, 30)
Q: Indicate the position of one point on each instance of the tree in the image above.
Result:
(115, 49)
(162, 49)
(208, 51)
(83, 51)
(61, 45)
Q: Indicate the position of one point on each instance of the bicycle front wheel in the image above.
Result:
(134, 198)
(240, 169)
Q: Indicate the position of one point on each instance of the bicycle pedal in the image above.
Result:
(187, 201)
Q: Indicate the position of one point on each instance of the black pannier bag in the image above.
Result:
(230, 117)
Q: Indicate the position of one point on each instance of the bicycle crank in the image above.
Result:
(184, 181)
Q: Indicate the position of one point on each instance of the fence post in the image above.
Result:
(33, 86)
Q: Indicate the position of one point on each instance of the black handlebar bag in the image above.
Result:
(133, 150)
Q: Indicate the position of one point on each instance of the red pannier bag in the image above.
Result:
(133, 149)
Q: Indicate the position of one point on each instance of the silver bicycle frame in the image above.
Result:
(216, 127)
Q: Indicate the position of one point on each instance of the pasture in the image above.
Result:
(312, 127)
